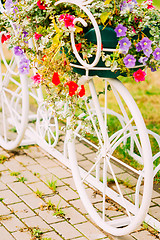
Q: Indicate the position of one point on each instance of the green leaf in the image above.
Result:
(104, 16)
(107, 2)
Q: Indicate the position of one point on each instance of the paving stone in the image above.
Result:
(2, 167)
(36, 221)
(143, 235)
(7, 178)
(6, 235)
(155, 212)
(25, 160)
(19, 188)
(127, 177)
(87, 165)
(155, 194)
(13, 224)
(48, 216)
(73, 216)
(66, 229)
(36, 168)
(81, 148)
(50, 177)
(32, 200)
(126, 237)
(22, 235)
(3, 186)
(51, 235)
(77, 203)
(60, 172)
(57, 200)
(90, 231)
(30, 177)
(34, 151)
(22, 210)
(9, 197)
(46, 162)
(3, 152)
(156, 200)
(3, 209)
(67, 193)
(70, 183)
(13, 165)
(40, 186)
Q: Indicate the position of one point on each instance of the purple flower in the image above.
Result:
(120, 30)
(126, 6)
(129, 61)
(125, 44)
(145, 43)
(143, 60)
(24, 66)
(156, 54)
(153, 69)
(147, 51)
(24, 61)
(8, 4)
(15, 10)
(18, 51)
(25, 34)
(138, 47)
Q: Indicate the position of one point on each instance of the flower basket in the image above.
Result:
(109, 41)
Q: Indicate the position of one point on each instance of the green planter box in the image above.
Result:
(109, 40)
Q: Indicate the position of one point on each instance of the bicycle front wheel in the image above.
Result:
(114, 173)
(14, 100)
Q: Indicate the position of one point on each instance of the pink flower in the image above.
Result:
(36, 78)
(133, 29)
(139, 75)
(61, 17)
(37, 36)
(68, 20)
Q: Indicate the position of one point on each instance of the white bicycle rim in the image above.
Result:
(132, 213)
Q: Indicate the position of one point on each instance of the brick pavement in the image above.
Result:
(28, 205)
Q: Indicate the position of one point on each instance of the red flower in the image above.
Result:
(82, 91)
(55, 78)
(37, 36)
(5, 37)
(72, 87)
(43, 58)
(78, 46)
(41, 5)
(139, 75)
(36, 78)
(68, 20)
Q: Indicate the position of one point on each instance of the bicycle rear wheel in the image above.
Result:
(14, 100)
(120, 143)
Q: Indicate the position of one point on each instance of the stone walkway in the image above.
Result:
(30, 209)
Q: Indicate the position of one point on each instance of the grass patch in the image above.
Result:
(15, 173)
(52, 185)
(21, 179)
(3, 158)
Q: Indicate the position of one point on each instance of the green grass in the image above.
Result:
(52, 185)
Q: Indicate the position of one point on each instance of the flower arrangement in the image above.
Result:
(137, 32)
